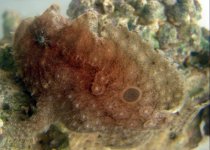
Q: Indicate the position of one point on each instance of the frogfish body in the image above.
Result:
(98, 78)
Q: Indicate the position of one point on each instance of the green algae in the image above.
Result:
(6, 59)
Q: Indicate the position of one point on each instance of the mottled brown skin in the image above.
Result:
(85, 77)
(68, 67)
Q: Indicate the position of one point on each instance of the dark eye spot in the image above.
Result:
(40, 39)
(131, 94)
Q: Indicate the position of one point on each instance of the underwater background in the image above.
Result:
(27, 8)
(187, 46)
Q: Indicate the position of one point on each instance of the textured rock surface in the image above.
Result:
(147, 17)
(82, 77)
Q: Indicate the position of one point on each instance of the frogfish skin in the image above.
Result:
(95, 78)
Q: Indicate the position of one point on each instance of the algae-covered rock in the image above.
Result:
(148, 34)
(161, 22)
(152, 12)
(53, 138)
(6, 58)
(190, 33)
(167, 35)
(184, 11)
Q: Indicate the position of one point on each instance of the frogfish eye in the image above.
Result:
(40, 39)
(131, 94)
